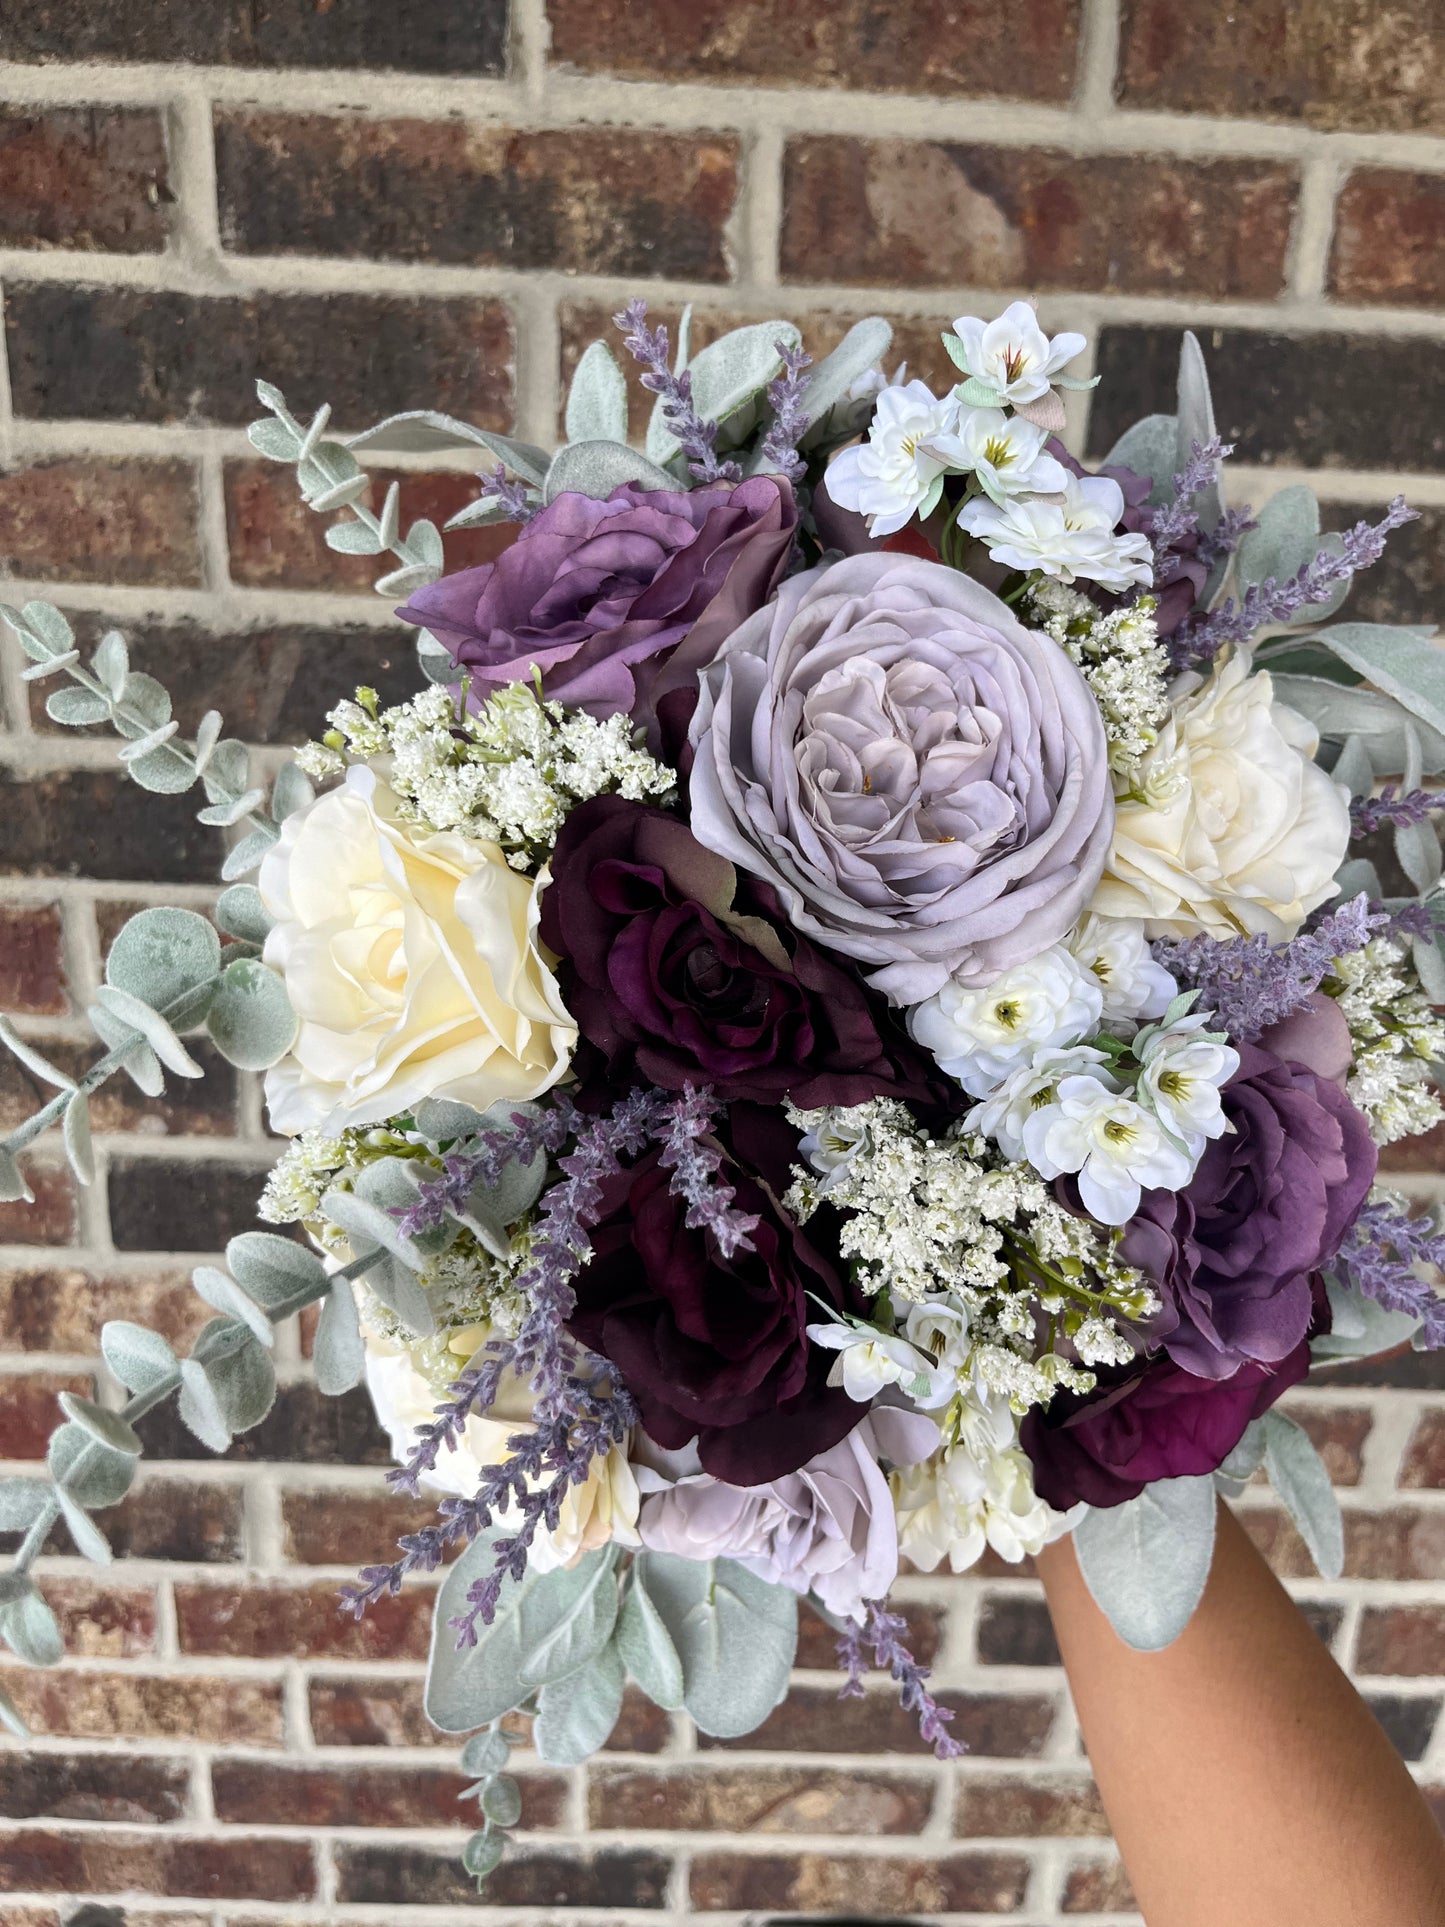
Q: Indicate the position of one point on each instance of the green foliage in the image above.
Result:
(1298, 1475)
(597, 398)
(729, 377)
(1146, 1562)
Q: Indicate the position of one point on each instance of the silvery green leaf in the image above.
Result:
(388, 523)
(239, 1371)
(1353, 767)
(276, 1271)
(1377, 719)
(228, 770)
(142, 747)
(1146, 1562)
(1196, 424)
(421, 430)
(1360, 1328)
(683, 353)
(147, 707)
(290, 792)
(491, 1209)
(150, 1025)
(576, 1714)
(338, 1354)
(47, 623)
(354, 538)
(1285, 538)
(32, 1059)
(89, 1541)
(386, 1187)
(160, 955)
(200, 1409)
(95, 1474)
(401, 582)
(21, 1503)
(111, 662)
(432, 658)
(274, 439)
(1403, 662)
(30, 1629)
(164, 772)
(250, 1017)
(734, 1633)
(440, 1120)
(221, 1292)
(646, 1647)
(241, 913)
(502, 1801)
(1429, 967)
(394, 1284)
(140, 1062)
(248, 853)
(862, 348)
(486, 1753)
(208, 734)
(43, 671)
(1150, 448)
(1298, 1475)
(482, 1855)
(577, 1629)
(75, 1129)
(75, 706)
(726, 376)
(11, 1719)
(141, 1359)
(596, 468)
(468, 1687)
(221, 816)
(108, 1427)
(479, 515)
(1243, 1462)
(1417, 847)
(597, 398)
(14, 1188)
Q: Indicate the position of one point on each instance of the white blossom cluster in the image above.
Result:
(976, 1491)
(1398, 1037)
(1123, 662)
(507, 773)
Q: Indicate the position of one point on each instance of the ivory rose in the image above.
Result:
(1237, 830)
(412, 962)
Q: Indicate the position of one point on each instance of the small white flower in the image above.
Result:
(1116, 1146)
(939, 1329)
(1115, 952)
(1181, 1075)
(869, 1360)
(983, 1036)
(1007, 455)
(874, 380)
(1071, 539)
(975, 1493)
(833, 1143)
(1031, 1089)
(898, 472)
(1013, 357)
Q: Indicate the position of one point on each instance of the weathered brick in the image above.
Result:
(28, 1411)
(323, 1527)
(815, 1720)
(1331, 63)
(1407, 584)
(50, 1218)
(103, 1618)
(1338, 1433)
(760, 1800)
(370, 1711)
(421, 1876)
(32, 967)
(63, 1310)
(1389, 242)
(127, 1704)
(303, 1427)
(159, 1206)
(258, 1793)
(1408, 1719)
(276, 542)
(937, 214)
(588, 200)
(1405, 1542)
(1302, 401)
(979, 1883)
(817, 1641)
(97, 823)
(1424, 1464)
(298, 1622)
(953, 46)
(1408, 1640)
(85, 519)
(163, 1519)
(1017, 1809)
(118, 1787)
(1097, 1887)
(1015, 1630)
(48, 1860)
(83, 177)
(189, 1107)
(131, 354)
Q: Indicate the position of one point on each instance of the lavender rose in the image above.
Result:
(1235, 1251)
(923, 780)
(599, 595)
(828, 1528)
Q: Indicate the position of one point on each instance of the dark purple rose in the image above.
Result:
(678, 970)
(1234, 1252)
(1180, 586)
(599, 595)
(715, 1348)
(1146, 1422)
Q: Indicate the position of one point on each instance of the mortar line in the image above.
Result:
(1098, 62)
(1307, 265)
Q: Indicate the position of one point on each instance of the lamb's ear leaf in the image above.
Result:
(646, 1647)
(597, 398)
(1298, 1475)
(1146, 1562)
(338, 1354)
(1196, 424)
(1149, 448)
(424, 430)
(596, 468)
(862, 348)
(735, 1635)
(727, 375)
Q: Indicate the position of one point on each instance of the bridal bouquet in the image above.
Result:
(850, 1018)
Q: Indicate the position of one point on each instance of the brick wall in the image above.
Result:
(388, 205)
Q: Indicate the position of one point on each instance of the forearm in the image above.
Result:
(1244, 1778)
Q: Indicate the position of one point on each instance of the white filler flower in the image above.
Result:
(983, 1036)
(1115, 952)
(1117, 1148)
(898, 472)
(1007, 456)
(1015, 361)
(1071, 539)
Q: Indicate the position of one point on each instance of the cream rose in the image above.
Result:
(412, 962)
(1241, 832)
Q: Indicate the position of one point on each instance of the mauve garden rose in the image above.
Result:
(1234, 1252)
(1152, 1420)
(678, 970)
(715, 1348)
(923, 780)
(598, 595)
(829, 1528)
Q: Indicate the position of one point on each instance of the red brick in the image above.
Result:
(276, 542)
(303, 1427)
(1018, 1809)
(83, 177)
(1330, 63)
(50, 1219)
(127, 1704)
(1338, 1433)
(1408, 1640)
(63, 1310)
(559, 1877)
(925, 47)
(817, 1642)
(759, 1800)
(50, 1861)
(32, 969)
(98, 823)
(369, 1711)
(1390, 239)
(586, 200)
(298, 1622)
(1097, 1887)
(156, 1205)
(85, 519)
(117, 1787)
(814, 1720)
(326, 1527)
(1424, 1467)
(980, 1883)
(1406, 1542)
(103, 1618)
(29, 1412)
(935, 214)
(258, 1793)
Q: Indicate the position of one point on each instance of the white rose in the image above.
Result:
(983, 1036)
(411, 960)
(1243, 832)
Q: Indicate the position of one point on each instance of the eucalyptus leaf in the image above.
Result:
(75, 1130)
(248, 853)
(338, 1354)
(274, 439)
(46, 621)
(238, 1370)
(597, 468)
(250, 1018)
(32, 1059)
(734, 1633)
(393, 1283)
(164, 772)
(1298, 1475)
(353, 538)
(578, 1631)
(161, 955)
(646, 1647)
(241, 913)
(10, 1717)
(597, 398)
(486, 1753)
(89, 1541)
(147, 707)
(139, 1061)
(200, 1408)
(149, 1025)
(111, 663)
(221, 1292)
(1146, 1562)
(95, 1474)
(30, 1629)
(231, 810)
(424, 430)
(478, 514)
(14, 1188)
(108, 1427)
(76, 707)
(141, 1359)
(576, 1714)
(482, 1854)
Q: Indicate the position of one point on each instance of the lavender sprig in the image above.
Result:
(1226, 535)
(1370, 813)
(531, 1135)
(513, 496)
(883, 1631)
(695, 437)
(1250, 983)
(1176, 521)
(789, 423)
(1405, 921)
(1378, 1259)
(1198, 641)
(696, 1165)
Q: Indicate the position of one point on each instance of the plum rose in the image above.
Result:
(922, 780)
